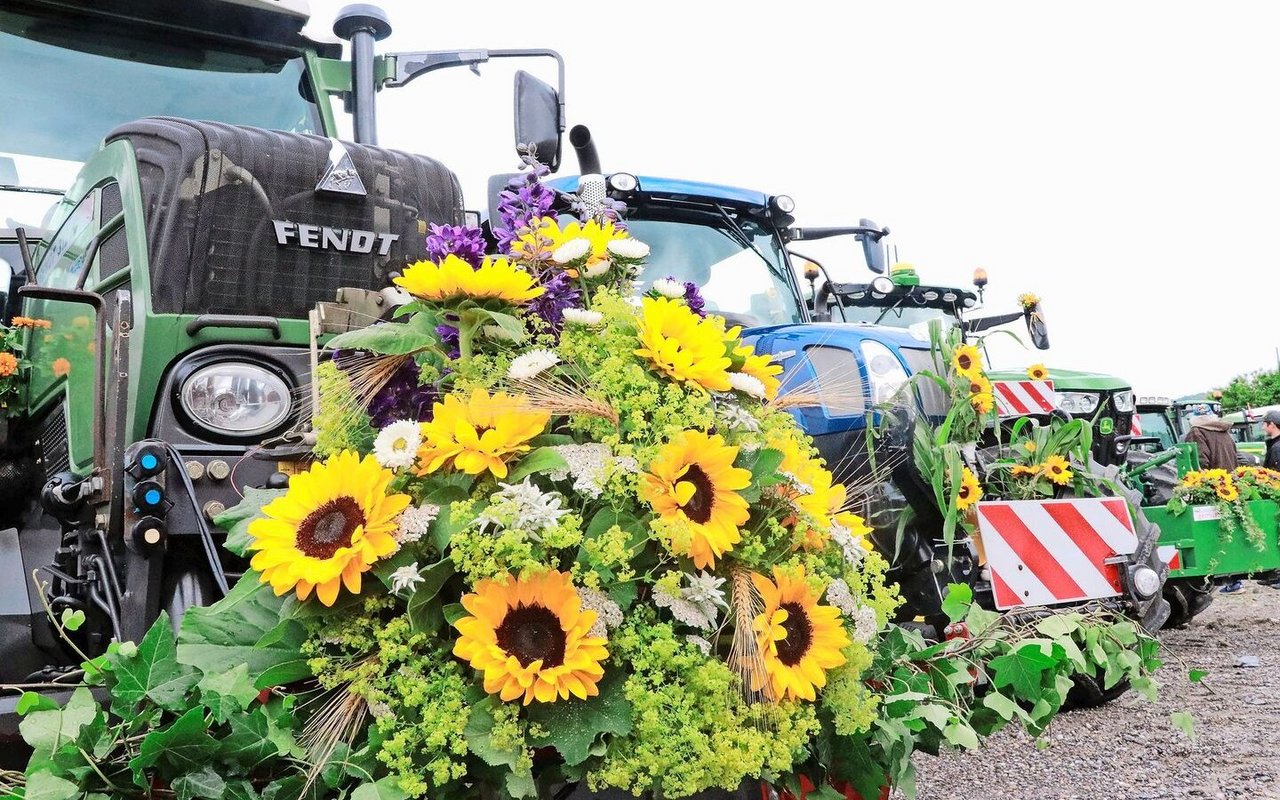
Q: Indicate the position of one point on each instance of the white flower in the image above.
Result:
(608, 613)
(415, 523)
(581, 316)
(531, 363)
(571, 251)
(735, 417)
(840, 596)
(698, 604)
(854, 552)
(588, 464)
(747, 384)
(704, 589)
(397, 444)
(867, 625)
(406, 579)
(522, 506)
(597, 268)
(669, 288)
(629, 249)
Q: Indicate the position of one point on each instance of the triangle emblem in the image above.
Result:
(341, 177)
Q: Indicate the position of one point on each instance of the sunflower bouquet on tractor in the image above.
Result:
(553, 535)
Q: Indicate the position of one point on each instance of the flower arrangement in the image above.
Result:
(602, 552)
(13, 364)
(1229, 493)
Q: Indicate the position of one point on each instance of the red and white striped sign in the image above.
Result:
(1170, 555)
(1044, 552)
(1021, 398)
(1135, 426)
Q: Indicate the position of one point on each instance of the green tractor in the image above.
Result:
(1246, 429)
(178, 274)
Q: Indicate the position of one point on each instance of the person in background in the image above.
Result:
(1212, 436)
(1271, 429)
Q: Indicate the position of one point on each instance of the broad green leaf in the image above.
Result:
(33, 701)
(1197, 675)
(573, 725)
(46, 730)
(961, 735)
(1146, 687)
(979, 620)
(479, 736)
(956, 604)
(1058, 625)
(537, 462)
(152, 672)
(1002, 705)
(1185, 723)
(205, 784)
(387, 788)
(221, 636)
(389, 338)
(1022, 670)
(226, 692)
(520, 784)
(423, 597)
(47, 786)
(183, 747)
(509, 325)
(235, 520)
(934, 713)
(72, 620)
(249, 743)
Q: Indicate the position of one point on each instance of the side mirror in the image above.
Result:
(873, 247)
(1037, 327)
(538, 118)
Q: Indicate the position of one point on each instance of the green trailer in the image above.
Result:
(1197, 545)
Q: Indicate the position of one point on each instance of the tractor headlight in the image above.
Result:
(884, 370)
(236, 399)
(1122, 402)
(1146, 582)
(1078, 403)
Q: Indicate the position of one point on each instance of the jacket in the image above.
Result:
(1211, 434)
(1272, 458)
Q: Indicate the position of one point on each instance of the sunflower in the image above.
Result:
(982, 402)
(970, 490)
(455, 279)
(531, 637)
(693, 480)
(479, 433)
(682, 345)
(967, 361)
(812, 489)
(760, 367)
(800, 639)
(979, 384)
(335, 521)
(1056, 470)
(546, 236)
(1021, 471)
(1037, 372)
(1193, 479)
(1227, 491)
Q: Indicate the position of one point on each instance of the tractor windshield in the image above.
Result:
(741, 274)
(901, 315)
(64, 89)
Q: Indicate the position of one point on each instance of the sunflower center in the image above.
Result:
(799, 634)
(964, 361)
(964, 492)
(698, 506)
(532, 633)
(329, 528)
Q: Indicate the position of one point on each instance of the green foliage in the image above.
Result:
(235, 520)
(1260, 388)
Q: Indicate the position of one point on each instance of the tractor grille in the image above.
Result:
(212, 191)
(54, 457)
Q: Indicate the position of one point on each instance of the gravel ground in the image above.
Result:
(1128, 750)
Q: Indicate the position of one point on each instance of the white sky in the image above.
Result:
(1121, 160)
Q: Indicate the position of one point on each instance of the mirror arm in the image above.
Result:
(810, 234)
(825, 289)
(407, 66)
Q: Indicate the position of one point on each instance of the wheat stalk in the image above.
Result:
(745, 656)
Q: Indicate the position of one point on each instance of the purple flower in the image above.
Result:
(450, 338)
(465, 242)
(402, 397)
(561, 293)
(693, 298)
(524, 200)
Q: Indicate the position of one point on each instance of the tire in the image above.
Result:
(1187, 598)
(1088, 692)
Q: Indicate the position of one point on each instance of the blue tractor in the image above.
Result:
(734, 243)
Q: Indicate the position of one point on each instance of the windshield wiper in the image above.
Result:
(885, 313)
(13, 187)
(739, 236)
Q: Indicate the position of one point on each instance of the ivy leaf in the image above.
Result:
(249, 743)
(183, 746)
(979, 620)
(1022, 670)
(389, 339)
(572, 726)
(1058, 625)
(1185, 723)
(959, 599)
(961, 735)
(48, 729)
(1145, 686)
(219, 637)
(1197, 675)
(387, 788)
(225, 692)
(235, 520)
(33, 701)
(538, 462)
(1002, 705)
(205, 784)
(47, 786)
(152, 672)
(241, 790)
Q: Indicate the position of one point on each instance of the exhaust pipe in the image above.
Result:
(362, 25)
(588, 159)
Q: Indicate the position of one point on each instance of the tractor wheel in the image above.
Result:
(1187, 598)
(1088, 692)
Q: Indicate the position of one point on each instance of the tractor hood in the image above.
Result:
(1068, 380)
